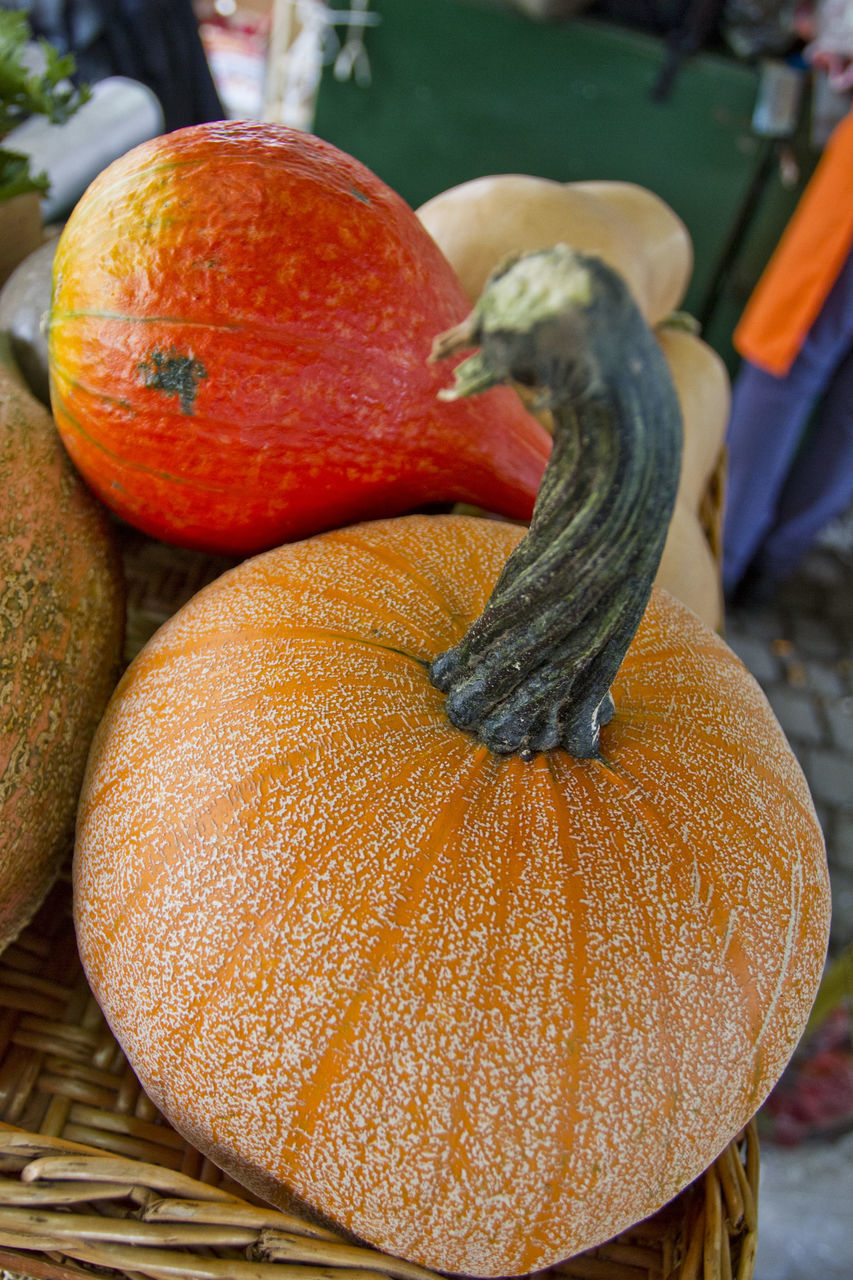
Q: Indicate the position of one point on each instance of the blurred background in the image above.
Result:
(717, 106)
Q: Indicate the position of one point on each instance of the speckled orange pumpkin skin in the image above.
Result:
(61, 630)
(238, 339)
(481, 1012)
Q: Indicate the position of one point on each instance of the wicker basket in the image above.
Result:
(95, 1182)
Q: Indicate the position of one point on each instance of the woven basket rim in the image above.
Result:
(74, 1123)
(161, 1222)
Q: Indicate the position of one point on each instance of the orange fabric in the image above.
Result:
(805, 263)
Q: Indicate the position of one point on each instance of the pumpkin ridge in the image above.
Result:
(646, 809)
(642, 806)
(294, 760)
(481, 767)
(521, 803)
(307, 1106)
(430, 643)
(161, 658)
(334, 636)
(584, 775)
(658, 756)
(452, 610)
(70, 381)
(174, 838)
(795, 904)
(661, 756)
(669, 1003)
(167, 654)
(704, 733)
(558, 763)
(69, 420)
(86, 314)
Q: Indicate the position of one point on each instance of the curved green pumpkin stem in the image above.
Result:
(535, 669)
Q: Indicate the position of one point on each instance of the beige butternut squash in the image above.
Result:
(481, 222)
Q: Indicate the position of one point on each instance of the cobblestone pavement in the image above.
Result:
(800, 649)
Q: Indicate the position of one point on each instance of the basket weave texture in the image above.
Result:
(95, 1182)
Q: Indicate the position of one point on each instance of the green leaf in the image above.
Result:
(25, 92)
(15, 175)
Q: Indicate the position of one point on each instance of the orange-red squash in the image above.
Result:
(237, 343)
(61, 628)
(393, 912)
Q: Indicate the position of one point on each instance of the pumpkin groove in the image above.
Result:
(479, 1010)
(130, 464)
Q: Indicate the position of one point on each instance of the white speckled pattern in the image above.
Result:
(485, 1014)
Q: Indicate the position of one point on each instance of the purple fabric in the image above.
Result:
(790, 444)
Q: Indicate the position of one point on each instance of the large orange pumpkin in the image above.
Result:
(389, 911)
(237, 341)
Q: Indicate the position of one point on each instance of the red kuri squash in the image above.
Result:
(237, 341)
(393, 912)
